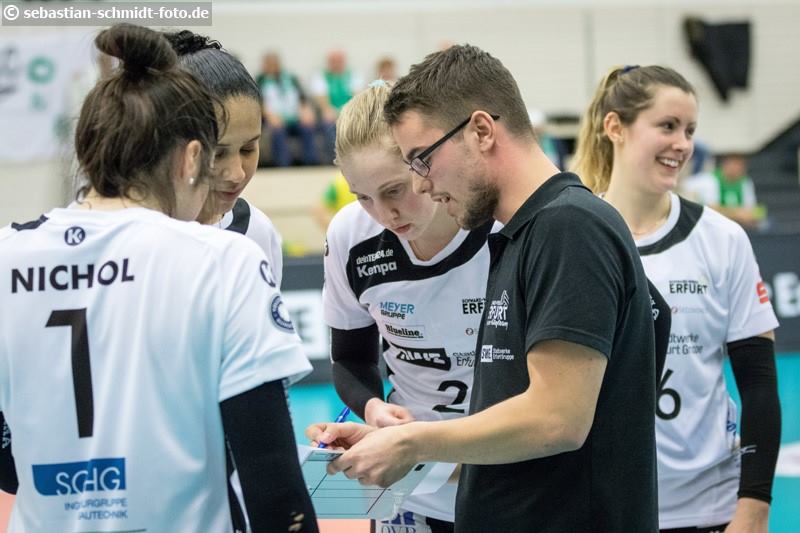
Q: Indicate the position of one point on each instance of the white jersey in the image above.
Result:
(703, 265)
(251, 222)
(427, 312)
(121, 334)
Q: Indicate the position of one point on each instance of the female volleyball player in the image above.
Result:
(132, 341)
(398, 266)
(636, 137)
(236, 157)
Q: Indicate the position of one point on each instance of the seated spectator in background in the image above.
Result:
(337, 195)
(729, 190)
(287, 113)
(331, 89)
(386, 70)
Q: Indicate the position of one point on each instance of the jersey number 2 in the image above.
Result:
(461, 395)
(81, 366)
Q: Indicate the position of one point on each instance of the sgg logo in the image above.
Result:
(84, 476)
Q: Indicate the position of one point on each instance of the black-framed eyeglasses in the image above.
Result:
(419, 163)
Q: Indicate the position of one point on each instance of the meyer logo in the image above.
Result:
(76, 478)
(364, 271)
(406, 332)
(687, 286)
(374, 256)
(427, 357)
(472, 306)
(497, 312)
(396, 310)
(74, 235)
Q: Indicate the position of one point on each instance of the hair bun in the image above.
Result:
(186, 42)
(138, 48)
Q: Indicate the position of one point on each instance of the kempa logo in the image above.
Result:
(364, 271)
(427, 357)
(472, 306)
(687, 286)
(406, 332)
(497, 312)
(374, 256)
(74, 235)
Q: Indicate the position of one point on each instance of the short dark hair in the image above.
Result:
(132, 121)
(222, 73)
(451, 84)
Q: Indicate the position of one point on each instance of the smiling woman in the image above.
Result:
(636, 136)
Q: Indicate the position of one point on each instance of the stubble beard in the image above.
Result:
(480, 206)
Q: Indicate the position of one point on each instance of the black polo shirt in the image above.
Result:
(566, 267)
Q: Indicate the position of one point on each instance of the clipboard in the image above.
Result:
(336, 496)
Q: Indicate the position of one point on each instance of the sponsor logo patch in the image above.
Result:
(472, 306)
(280, 314)
(687, 286)
(266, 273)
(74, 235)
(83, 476)
(364, 271)
(396, 310)
(761, 290)
(406, 332)
(374, 256)
(497, 312)
(426, 357)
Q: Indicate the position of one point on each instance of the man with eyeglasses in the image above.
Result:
(560, 435)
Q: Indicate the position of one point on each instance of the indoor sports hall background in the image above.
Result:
(742, 56)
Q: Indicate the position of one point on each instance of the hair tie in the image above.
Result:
(378, 83)
(628, 68)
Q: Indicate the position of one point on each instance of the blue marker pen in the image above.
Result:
(339, 419)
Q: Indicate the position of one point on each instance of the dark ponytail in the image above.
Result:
(132, 122)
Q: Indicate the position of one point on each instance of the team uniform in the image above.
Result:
(427, 313)
(251, 222)
(122, 334)
(565, 268)
(703, 265)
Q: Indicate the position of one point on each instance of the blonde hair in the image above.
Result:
(361, 123)
(626, 91)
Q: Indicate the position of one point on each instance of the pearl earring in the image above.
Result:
(192, 180)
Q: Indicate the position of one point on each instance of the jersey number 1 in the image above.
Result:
(81, 367)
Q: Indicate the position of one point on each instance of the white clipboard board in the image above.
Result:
(336, 496)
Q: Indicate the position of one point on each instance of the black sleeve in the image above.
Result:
(356, 374)
(753, 363)
(261, 439)
(662, 322)
(8, 471)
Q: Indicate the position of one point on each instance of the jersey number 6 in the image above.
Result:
(81, 367)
